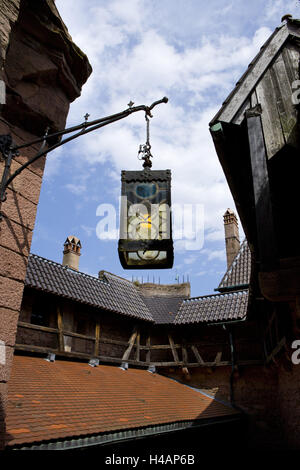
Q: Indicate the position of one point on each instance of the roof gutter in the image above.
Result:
(125, 435)
(230, 322)
(237, 287)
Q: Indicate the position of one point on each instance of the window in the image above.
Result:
(40, 313)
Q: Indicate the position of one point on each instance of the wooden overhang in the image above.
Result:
(256, 136)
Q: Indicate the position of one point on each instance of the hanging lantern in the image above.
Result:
(145, 225)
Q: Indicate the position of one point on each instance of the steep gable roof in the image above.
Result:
(213, 308)
(237, 275)
(237, 99)
(163, 309)
(110, 293)
(119, 295)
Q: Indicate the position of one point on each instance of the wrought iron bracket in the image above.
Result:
(9, 150)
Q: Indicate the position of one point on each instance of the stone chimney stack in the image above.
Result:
(72, 247)
(232, 238)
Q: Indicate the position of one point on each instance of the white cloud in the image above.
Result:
(146, 68)
(201, 273)
(53, 162)
(219, 255)
(214, 235)
(77, 189)
(191, 259)
(275, 9)
(193, 52)
(89, 231)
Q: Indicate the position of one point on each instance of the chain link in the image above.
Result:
(144, 149)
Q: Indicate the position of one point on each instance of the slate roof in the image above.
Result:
(237, 275)
(63, 399)
(213, 308)
(121, 296)
(112, 293)
(163, 309)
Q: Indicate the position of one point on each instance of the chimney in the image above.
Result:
(72, 247)
(232, 238)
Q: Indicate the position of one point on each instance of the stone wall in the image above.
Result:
(269, 395)
(255, 393)
(289, 403)
(43, 71)
(149, 289)
(9, 15)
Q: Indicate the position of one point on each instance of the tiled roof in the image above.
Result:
(62, 399)
(163, 309)
(238, 274)
(112, 293)
(213, 308)
(122, 296)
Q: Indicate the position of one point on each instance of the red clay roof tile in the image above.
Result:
(77, 400)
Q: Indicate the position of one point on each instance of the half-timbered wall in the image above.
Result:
(77, 330)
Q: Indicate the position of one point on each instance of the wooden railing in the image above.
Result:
(187, 349)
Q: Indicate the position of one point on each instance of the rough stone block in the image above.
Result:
(12, 264)
(5, 368)
(8, 325)
(15, 237)
(38, 166)
(19, 209)
(27, 183)
(11, 293)
(9, 14)
(21, 137)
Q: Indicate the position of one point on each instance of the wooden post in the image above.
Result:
(148, 353)
(266, 238)
(61, 344)
(197, 355)
(218, 357)
(174, 352)
(97, 338)
(184, 355)
(130, 345)
(138, 337)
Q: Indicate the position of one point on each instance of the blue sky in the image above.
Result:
(191, 51)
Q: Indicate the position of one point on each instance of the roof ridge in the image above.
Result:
(66, 268)
(104, 272)
(109, 293)
(247, 71)
(238, 291)
(164, 296)
(234, 261)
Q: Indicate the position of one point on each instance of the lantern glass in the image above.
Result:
(145, 225)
